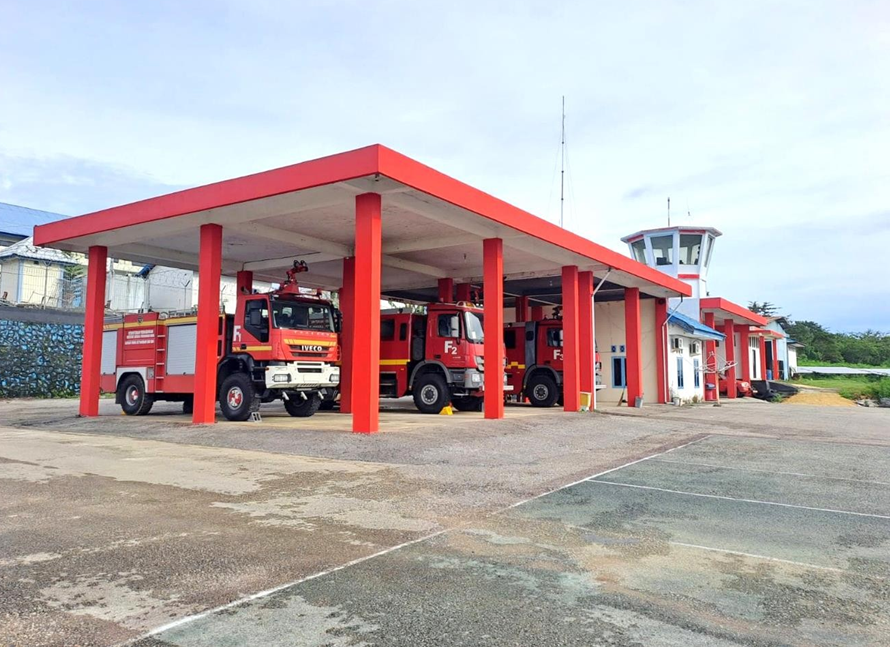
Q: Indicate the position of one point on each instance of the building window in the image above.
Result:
(663, 249)
(680, 383)
(387, 330)
(619, 372)
(696, 367)
(449, 325)
(639, 250)
(690, 248)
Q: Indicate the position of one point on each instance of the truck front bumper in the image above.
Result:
(474, 380)
(302, 376)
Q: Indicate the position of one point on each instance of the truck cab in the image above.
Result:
(436, 357)
(535, 361)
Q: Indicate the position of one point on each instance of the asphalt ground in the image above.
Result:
(745, 524)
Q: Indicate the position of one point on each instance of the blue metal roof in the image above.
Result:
(696, 328)
(20, 221)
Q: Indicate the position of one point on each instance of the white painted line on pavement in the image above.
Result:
(730, 498)
(754, 469)
(597, 475)
(756, 556)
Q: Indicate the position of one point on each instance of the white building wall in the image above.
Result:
(9, 278)
(685, 356)
(610, 331)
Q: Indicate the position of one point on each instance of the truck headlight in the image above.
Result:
(281, 377)
(335, 377)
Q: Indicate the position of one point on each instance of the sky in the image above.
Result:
(767, 120)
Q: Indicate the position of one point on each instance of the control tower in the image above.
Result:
(683, 252)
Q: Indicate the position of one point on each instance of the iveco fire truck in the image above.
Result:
(435, 357)
(535, 360)
(282, 344)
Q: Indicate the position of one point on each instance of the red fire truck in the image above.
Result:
(535, 361)
(281, 344)
(436, 357)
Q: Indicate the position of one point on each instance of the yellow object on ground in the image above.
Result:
(446, 411)
(819, 398)
(586, 401)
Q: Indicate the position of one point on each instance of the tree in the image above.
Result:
(765, 309)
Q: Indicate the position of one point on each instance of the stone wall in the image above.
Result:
(40, 353)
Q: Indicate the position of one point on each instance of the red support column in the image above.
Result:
(745, 350)
(446, 290)
(493, 287)
(463, 292)
(729, 353)
(633, 332)
(537, 313)
(209, 269)
(347, 298)
(585, 333)
(93, 321)
(571, 369)
(710, 363)
(776, 375)
(244, 282)
(661, 332)
(366, 313)
(521, 309)
(762, 358)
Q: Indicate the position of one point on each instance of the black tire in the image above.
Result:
(468, 403)
(188, 405)
(132, 396)
(327, 405)
(430, 393)
(542, 391)
(238, 398)
(300, 408)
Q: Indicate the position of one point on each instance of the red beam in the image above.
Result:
(729, 352)
(366, 310)
(537, 313)
(776, 375)
(243, 282)
(521, 309)
(745, 350)
(493, 288)
(585, 334)
(762, 358)
(446, 290)
(571, 369)
(209, 269)
(347, 334)
(710, 363)
(634, 340)
(94, 318)
(464, 292)
(661, 333)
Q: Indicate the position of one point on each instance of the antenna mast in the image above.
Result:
(562, 167)
(669, 211)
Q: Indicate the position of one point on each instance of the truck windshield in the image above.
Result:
(292, 315)
(475, 332)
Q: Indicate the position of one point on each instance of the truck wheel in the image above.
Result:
(430, 393)
(541, 391)
(238, 398)
(133, 398)
(300, 408)
(468, 403)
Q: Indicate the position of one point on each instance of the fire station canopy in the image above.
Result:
(725, 310)
(433, 226)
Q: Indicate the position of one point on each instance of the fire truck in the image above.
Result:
(282, 344)
(436, 357)
(535, 360)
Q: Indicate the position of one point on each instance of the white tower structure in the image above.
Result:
(683, 252)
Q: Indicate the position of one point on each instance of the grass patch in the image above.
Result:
(852, 387)
(804, 361)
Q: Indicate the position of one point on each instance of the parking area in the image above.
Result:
(749, 524)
